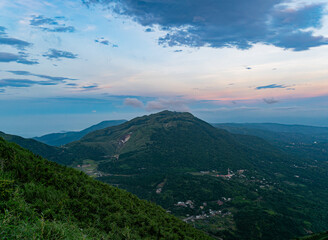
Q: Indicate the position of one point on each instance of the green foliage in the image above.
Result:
(304, 141)
(48, 201)
(6, 188)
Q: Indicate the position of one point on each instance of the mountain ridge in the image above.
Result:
(59, 139)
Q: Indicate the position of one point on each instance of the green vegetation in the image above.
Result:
(36, 147)
(277, 197)
(179, 162)
(305, 141)
(43, 200)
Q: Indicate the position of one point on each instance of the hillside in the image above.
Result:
(43, 200)
(167, 140)
(232, 186)
(58, 139)
(36, 147)
(305, 141)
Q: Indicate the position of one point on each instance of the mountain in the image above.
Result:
(43, 200)
(233, 186)
(36, 147)
(58, 139)
(305, 141)
(167, 139)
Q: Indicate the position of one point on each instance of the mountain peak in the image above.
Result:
(169, 114)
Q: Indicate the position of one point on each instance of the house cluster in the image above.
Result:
(227, 176)
(188, 203)
(160, 186)
(205, 215)
(223, 200)
(204, 205)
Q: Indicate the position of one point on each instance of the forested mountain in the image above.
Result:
(232, 186)
(36, 147)
(305, 141)
(58, 139)
(168, 140)
(43, 200)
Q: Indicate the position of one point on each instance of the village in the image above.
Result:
(229, 175)
(204, 213)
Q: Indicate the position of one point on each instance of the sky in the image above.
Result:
(65, 65)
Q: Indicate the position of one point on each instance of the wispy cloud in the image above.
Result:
(270, 86)
(2, 30)
(20, 44)
(105, 42)
(13, 82)
(26, 73)
(270, 100)
(14, 42)
(236, 23)
(19, 58)
(90, 87)
(58, 54)
(133, 102)
(175, 104)
(56, 24)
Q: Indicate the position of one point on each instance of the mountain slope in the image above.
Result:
(36, 147)
(232, 186)
(42, 200)
(305, 141)
(58, 139)
(167, 139)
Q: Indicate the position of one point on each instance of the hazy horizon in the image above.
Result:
(30, 128)
(68, 65)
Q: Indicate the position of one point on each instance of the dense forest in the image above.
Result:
(43, 200)
(172, 158)
(304, 141)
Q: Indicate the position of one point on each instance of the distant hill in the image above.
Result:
(58, 139)
(43, 200)
(36, 147)
(305, 141)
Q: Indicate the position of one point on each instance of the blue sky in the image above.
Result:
(65, 65)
